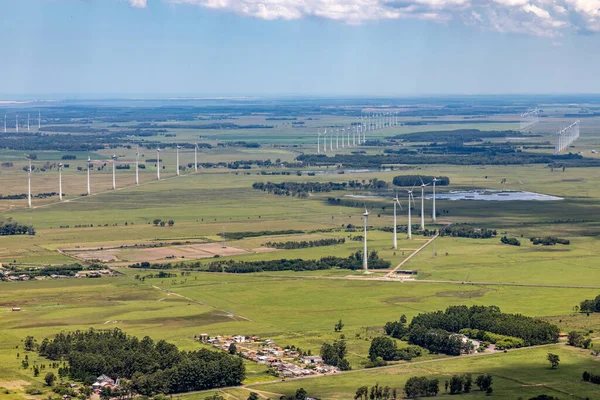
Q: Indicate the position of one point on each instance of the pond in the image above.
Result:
(484, 195)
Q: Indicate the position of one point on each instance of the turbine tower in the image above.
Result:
(343, 131)
(39, 119)
(318, 141)
(4, 123)
(337, 138)
(409, 226)
(29, 185)
(88, 175)
(196, 157)
(60, 167)
(365, 255)
(27, 122)
(423, 204)
(17, 123)
(433, 213)
(137, 165)
(331, 143)
(158, 163)
(325, 141)
(396, 202)
(348, 138)
(177, 149)
(114, 183)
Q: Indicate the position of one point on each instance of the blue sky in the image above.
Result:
(158, 48)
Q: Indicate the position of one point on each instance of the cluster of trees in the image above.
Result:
(421, 386)
(376, 392)
(305, 244)
(69, 157)
(489, 318)
(577, 339)
(352, 262)
(457, 135)
(377, 160)
(335, 354)
(501, 341)
(590, 306)
(9, 227)
(385, 348)
(460, 384)
(415, 180)
(23, 196)
(589, 377)
(158, 221)
(467, 232)
(438, 341)
(549, 240)
(510, 241)
(242, 235)
(298, 189)
(152, 367)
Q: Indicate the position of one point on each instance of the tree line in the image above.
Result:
(549, 241)
(9, 227)
(415, 180)
(590, 306)
(467, 232)
(152, 367)
(305, 244)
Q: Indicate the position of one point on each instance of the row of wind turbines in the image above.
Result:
(114, 172)
(28, 122)
(364, 124)
(396, 201)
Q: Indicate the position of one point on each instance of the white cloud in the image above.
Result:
(548, 18)
(138, 3)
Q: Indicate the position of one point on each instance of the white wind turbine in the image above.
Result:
(60, 167)
(349, 138)
(177, 159)
(423, 203)
(196, 157)
(331, 142)
(137, 165)
(39, 119)
(27, 122)
(396, 202)
(158, 163)
(4, 123)
(325, 141)
(365, 255)
(114, 182)
(17, 123)
(318, 141)
(88, 175)
(29, 185)
(343, 141)
(410, 198)
(354, 139)
(433, 213)
(337, 138)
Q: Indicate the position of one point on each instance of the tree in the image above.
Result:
(232, 348)
(339, 326)
(171, 222)
(300, 394)
(156, 221)
(253, 396)
(467, 383)
(403, 319)
(456, 384)
(344, 365)
(484, 382)
(383, 347)
(554, 360)
(362, 393)
(29, 343)
(106, 393)
(575, 339)
(50, 378)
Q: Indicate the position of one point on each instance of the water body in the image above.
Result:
(477, 195)
(335, 171)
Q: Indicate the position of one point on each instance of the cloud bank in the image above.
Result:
(546, 18)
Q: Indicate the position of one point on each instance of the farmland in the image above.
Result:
(210, 210)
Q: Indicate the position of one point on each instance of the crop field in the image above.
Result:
(217, 216)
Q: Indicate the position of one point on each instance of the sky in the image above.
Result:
(189, 48)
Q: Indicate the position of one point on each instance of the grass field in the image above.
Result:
(300, 308)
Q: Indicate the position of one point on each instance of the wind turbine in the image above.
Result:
(39, 119)
(354, 138)
(158, 163)
(365, 255)
(325, 141)
(433, 213)
(331, 143)
(60, 167)
(337, 138)
(396, 202)
(4, 123)
(409, 226)
(348, 138)
(343, 131)
(177, 149)
(114, 183)
(17, 123)
(88, 175)
(318, 141)
(137, 165)
(29, 185)
(423, 203)
(196, 157)
(27, 122)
